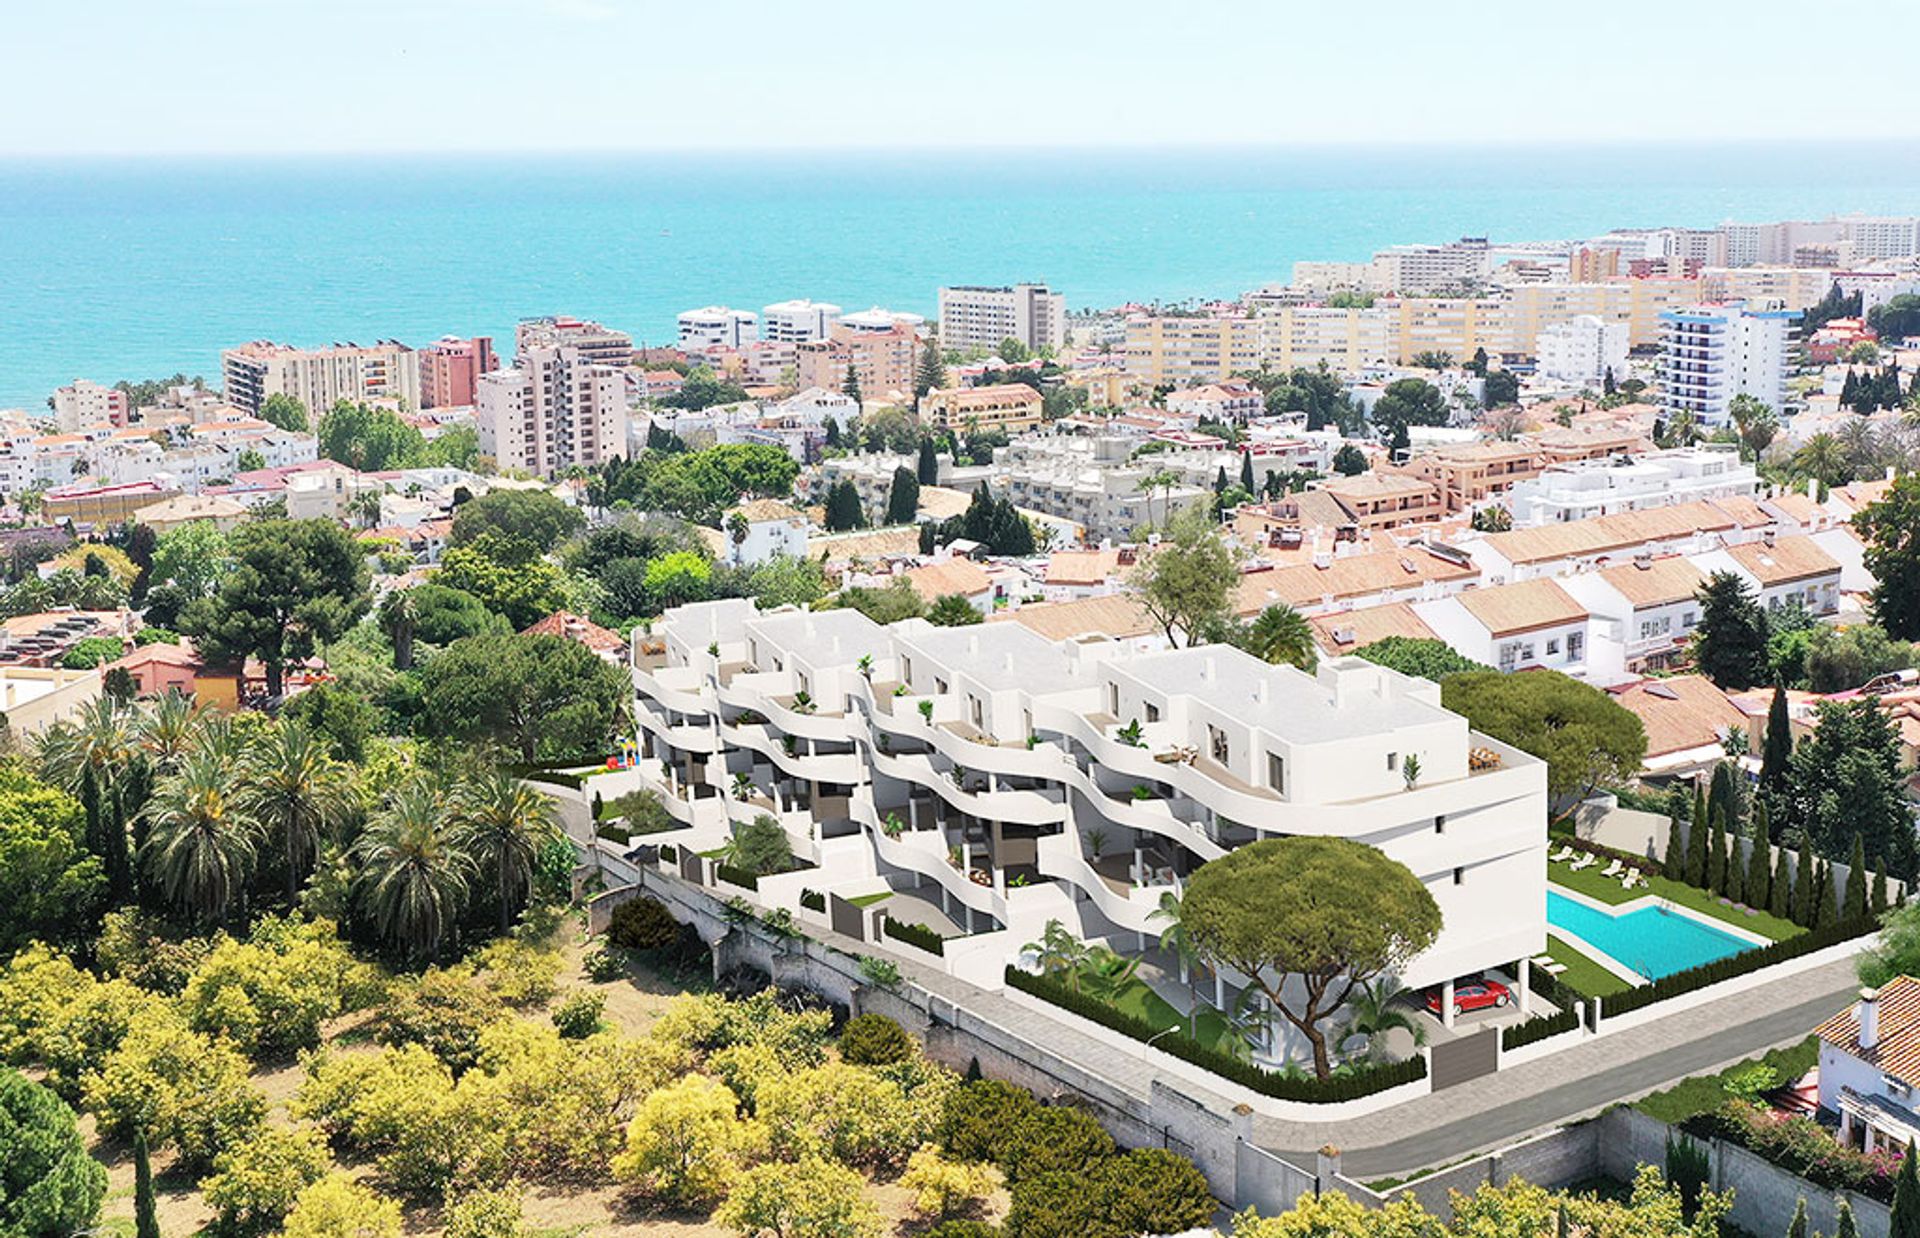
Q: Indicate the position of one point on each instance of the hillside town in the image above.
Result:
(1431, 741)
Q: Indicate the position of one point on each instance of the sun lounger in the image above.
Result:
(1612, 869)
(1584, 862)
(1563, 855)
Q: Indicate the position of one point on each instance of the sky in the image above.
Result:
(209, 77)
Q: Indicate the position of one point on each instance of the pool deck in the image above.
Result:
(1645, 902)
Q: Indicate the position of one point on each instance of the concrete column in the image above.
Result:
(1219, 991)
(1846, 1127)
(1139, 865)
(1526, 988)
(1326, 1168)
(1446, 1004)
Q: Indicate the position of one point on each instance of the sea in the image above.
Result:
(143, 267)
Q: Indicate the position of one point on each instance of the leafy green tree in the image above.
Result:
(687, 1142)
(903, 497)
(1189, 582)
(284, 411)
(51, 889)
(542, 697)
(1730, 643)
(1586, 738)
(1421, 657)
(844, 510)
(1839, 661)
(369, 439)
(292, 585)
(503, 824)
(928, 465)
(760, 846)
(443, 615)
(676, 579)
(522, 591)
(1282, 634)
(1349, 461)
(1845, 778)
(1329, 912)
(850, 385)
(897, 601)
(703, 388)
(952, 611)
(535, 518)
(338, 1207)
(49, 1186)
(1896, 318)
(413, 874)
(812, 1198)
(1776, 749)
(1409, 402)
(1502, 387)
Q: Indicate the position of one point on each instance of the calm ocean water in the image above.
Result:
(135, 269)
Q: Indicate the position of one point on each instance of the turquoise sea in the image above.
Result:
(140, 268)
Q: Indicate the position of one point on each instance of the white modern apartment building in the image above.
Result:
(981, 317)
(320, 377)
(1583, 350)
(1883, 237)
(984, 781)
(716, 326)
(1711, 353)
(1563, 493)
(598, 344)
(553, 410)
(794, 322)
(87, 403)
(1464, 263)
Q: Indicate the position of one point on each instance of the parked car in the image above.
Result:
(1471, 995)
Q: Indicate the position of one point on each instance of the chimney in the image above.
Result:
(1206, 670)
(1868, 1013)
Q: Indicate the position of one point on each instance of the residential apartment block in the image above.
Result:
(1584, 350)
(717, 327)
(1584, 490)
(1711, 353)
(86, 403)
(1012, 407)
(1188, 350)
(449, 368)
(320, 377)
(882, 361)
(598, 344)
(553, 410)
(978, 780)
(795, 321)
(981, 317)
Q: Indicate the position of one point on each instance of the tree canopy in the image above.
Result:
(370, 439)
(1422, 657)
(1891, 529)
(1586, 738)
(1187, 584)
(542, 697)
(1331, 911)
(535, 518)
(1409, 402)
(1730, 642)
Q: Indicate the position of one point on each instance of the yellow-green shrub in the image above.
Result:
(254, 1184)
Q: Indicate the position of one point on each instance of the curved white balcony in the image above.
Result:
(680, 688)
(925, 852)
(843, 767)
(1013, 807)
(687, 737)
(1060, 859)
(1153, 816)
(809, 725)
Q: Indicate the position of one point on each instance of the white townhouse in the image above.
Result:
(772, 528)
(1870, 1066)
(1783, 570)
(1648, 607)
(1521, 626)
(986, 780)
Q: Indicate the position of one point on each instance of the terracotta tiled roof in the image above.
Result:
(937, 580)
(577, 628)
(1081, 567)
(1896, 1050)
(1681, 712)
(1787, 560)
(758, 510)
(1115, 615)
(1523, 607)
(1607, 534)
(1347, 630)
(1658, 582)
(1347, 577)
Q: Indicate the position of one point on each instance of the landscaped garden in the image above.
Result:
(1582, 974)
(1608, 890)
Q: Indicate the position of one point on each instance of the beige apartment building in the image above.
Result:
(1012, 407)
(882, 361)
(595, 343)
(1188, 350)
(1797, 287)
(320, 377)
(553, 410)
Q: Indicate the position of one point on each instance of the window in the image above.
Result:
(1459, 876)
(1576, 644)
(906, 670)
(939, 686)
(1153, 712)
(1393, 761)
(973, 710)
(1217, 743)
(1113, 699)
(1440, 825)
(1277, 772)
(1553, 646)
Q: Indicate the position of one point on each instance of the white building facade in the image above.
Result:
(1711, 353)
(980, 317)
(795, 322)
(1582, 350)
(553, 410)
(716, 326)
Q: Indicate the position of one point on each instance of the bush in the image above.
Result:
(813, 900)
(875, 1040)
(517, 973)
(686, 1143)
(1360, 1081)
(732, 875)
(603, 964)
(444, 1010)
(980, 1115)
(1154, 1191)
(1054, 1140)
(336, 1207)
(48, 1183)
(1537, 1029)
(642, 924)
(579, 1016)
(270, 998)
(255, 1183)
(484, 1214)
(188, 1091)
(914, 935)
(1741, 964)
(961, 1229)
(941, 1187)
(1801, 1146)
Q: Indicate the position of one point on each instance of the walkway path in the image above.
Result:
(1574, 1082)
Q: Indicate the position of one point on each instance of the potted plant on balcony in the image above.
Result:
(926, 711)
(1096, 841)
(1131, 735)
(742, 786)
(866, 666)
(899, 689)
(1142, 792)
(953, 857)
(803, 703)
(893, 826)
(713, 649)
(1410, 770)
(787, 745)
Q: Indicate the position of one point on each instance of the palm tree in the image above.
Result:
(1158, 479)
(1106, 973)
(503, 825)
(295, 789)
(951, 610)
(166, 730)
(1282, 634)
(413, 874)
(400, 615)
(1372, 1012)
(1177, 940)
(1824, 459)
(201, 843)
(1058, 951)
(92, 758)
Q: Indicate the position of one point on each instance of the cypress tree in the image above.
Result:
(1843, 1225)
(1803, 879)
(850, 386)
(1720, 805)
(1780, 890)
(1797, 1228)
(1673, 865)
(1776, 748)
(1736, 872)
(929, 463)
(1855, 904)
(1759, 877)
(1697, 839)
(1880, 886)
(1717, 852)
(1905, 1222)
(903, 496)
(146, 1216)
(1828, 910)
(1220, 481)
(1246, 473)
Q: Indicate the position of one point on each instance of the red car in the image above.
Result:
(1471, 995)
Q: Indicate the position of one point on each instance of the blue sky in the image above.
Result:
(230, 76)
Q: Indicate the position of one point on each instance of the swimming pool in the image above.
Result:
(1652, 941)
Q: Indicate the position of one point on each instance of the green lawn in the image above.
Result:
(1704, 1093)
(1137, 998)
(1607, 890)
(868, 900)
(1583, 975)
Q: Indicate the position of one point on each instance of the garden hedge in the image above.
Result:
(914, 935)
(1741, 964)
(1358, 1082)
(742, 877)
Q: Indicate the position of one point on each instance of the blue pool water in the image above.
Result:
(1651, 941)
